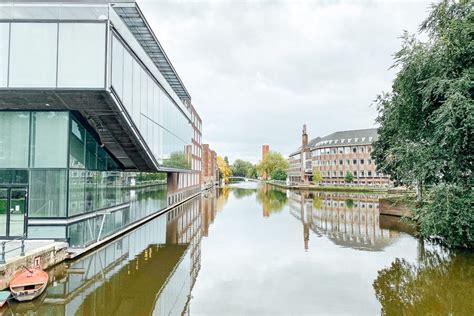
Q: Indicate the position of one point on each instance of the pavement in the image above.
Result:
(13, 247)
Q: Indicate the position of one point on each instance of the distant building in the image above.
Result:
(210, 170)
(334, 156)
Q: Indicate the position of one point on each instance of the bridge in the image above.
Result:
(243, 178)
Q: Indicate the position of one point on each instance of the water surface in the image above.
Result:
(260, 250)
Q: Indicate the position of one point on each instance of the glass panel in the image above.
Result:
(3, 211)
(17, 212)
(117, 66)
(33, 54)
(91, 152)
(14, 138)
(4, 46)
(76, 192)
(77, 144)
(81, 55)
(47, 232)
(9, 176)
(48, 193)
(49, 139)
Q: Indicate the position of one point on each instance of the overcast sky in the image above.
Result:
(258, 70)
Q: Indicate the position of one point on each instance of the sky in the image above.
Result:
(258, 70)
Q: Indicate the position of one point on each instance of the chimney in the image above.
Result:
(304, 137)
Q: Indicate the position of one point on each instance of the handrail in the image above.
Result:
(22, 247)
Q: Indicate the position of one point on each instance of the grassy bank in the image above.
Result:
(357, 189)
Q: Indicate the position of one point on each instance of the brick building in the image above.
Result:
(336, 154)
(210, 170)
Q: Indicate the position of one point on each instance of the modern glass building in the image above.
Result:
(87, 94)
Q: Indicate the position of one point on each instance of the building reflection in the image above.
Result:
(149, 271)
(348, 220)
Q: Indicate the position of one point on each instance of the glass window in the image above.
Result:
(38, 69)
(81, 55)
(354, 161)
(58, 232)
(77, 144)
(12, 176)
(48, 193)
(14, 139)
(91, 152)
(4, 46)
(362, 161)
(76, 192)
(117, 66)
(49, 139)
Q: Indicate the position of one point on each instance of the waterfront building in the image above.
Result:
(334, 156)
(87, 95)
(210, 169)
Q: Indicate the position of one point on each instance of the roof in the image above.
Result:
(342, 138)
(138, 26)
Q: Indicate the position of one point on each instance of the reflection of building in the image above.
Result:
(103, 100)
(348, 220)
(210, 170)
(265, 151)
(334, 156)
(149, 271)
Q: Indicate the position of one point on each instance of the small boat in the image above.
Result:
(4, 296)
(28, 284)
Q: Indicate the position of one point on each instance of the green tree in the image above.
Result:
(317, 178)
(349, 177)
(272, 162)
(279, 174)
(426, 121)
(252, 172)
(240, 168)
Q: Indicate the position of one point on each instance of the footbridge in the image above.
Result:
(244, 178)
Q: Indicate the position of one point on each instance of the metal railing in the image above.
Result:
(21, 247)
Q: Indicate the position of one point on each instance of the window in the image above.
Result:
(362, 173)
(49, 139)
(369, 173)
(36, 69)
(362, 161)
(354, 149)
(348, 162)
(341, 150)
(355, 173)
(361, 149)
(341, 162)
(354, 161)
(14, 139)
(48, 193)
(369, 161)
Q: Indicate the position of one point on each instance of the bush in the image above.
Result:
(447, 215)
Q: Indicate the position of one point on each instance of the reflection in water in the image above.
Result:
(440, 283)
(150, 271)
(254, 265)
(349, 220)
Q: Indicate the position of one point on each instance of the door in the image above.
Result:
(13, 211)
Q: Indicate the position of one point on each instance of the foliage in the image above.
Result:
(224, 171)
(178, 159)
(440, 284)
(425, 137)
(317, 202)
(240, 168)
(349, 177)
(252, 172)
(349, 203)
(279, 174)
(317, 178)
(151, 176)
(272, 162)
(272, 199)
(448, 214)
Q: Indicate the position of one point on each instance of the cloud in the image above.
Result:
(258, 70)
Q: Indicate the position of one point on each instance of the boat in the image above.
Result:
(4, 296)
(28, 284)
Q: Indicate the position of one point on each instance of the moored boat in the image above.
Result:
(4, 296)
(28, 284)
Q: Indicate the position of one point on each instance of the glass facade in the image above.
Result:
(67, 174)
(166, 130)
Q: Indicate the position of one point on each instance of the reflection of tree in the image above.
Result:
(438, 285)
(241, 193)
(223, 197)
(271, 198)
(178, 159)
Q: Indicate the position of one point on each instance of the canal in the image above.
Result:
(260, 250)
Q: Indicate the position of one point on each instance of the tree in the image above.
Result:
(252, 172)
(224, 170)
(317, 178)
(279, 174)
(273, 161)
(426, 121)
(240, 168)
(349, 177)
